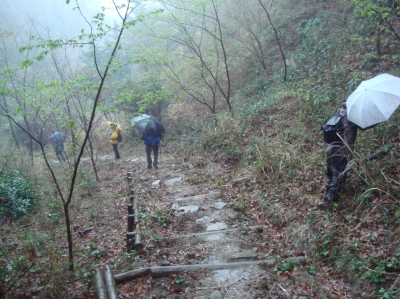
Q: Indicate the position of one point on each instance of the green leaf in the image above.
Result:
(143, 213)
(26, 63)
(179, 279)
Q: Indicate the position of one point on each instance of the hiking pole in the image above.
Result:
(160, 149)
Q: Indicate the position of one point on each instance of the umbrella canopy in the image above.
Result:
(144, 123)
(374, 100)
(58, 137)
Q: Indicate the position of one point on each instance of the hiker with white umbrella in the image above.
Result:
(340, 135)
(373, 101)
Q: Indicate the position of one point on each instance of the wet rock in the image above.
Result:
(300, 260)
(244, 255)
(165, 263)
(219, 205)
(213, 260)
(287, 254)
(187, 209)
(172, 181)
(156, 183)
(216, 295)
(201, 197)
(217, 226)
(205, 219)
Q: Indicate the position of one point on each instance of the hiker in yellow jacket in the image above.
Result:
(115, 137)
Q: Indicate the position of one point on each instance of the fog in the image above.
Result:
(55, 17)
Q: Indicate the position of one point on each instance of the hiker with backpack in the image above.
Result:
(152, 140)
(340, 135)
(115, 137)
(60, 153)
(58, 139)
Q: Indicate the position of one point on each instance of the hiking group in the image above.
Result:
(151, 133)
(373, 101)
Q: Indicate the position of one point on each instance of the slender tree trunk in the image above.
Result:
(92, 159)
(221, 41)
(69, 235)
(277, 39)
(11, 125)
(90, 125)
(378, 41)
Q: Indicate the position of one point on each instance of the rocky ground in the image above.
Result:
(231, 238)
(189, 214)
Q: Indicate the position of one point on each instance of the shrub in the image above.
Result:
(16, 192)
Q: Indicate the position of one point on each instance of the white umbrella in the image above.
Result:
(374, 100)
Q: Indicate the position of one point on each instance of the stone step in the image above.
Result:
(256, 228)
(196, 198)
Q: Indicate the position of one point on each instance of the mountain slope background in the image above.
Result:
(268, 150)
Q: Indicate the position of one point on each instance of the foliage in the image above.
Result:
(285, 266)
(85, 183)
(178, 279)
(17, 193)
(161, 217)
(374, 269)
(222, 137)
(386, 13)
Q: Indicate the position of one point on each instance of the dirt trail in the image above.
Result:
(189, 219)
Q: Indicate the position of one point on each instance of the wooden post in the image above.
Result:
(110, 283)
(132, 191)
(131, 218)
(129, 174)
(99, 284)
(130, 241)
(131, 198)
(138, 245)
(131, 222)
(135, 212)
(130, 208)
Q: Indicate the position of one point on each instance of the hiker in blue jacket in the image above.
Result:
(152, 140)
(338, 151)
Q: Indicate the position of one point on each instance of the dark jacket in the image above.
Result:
(151, 139)
(338, 148)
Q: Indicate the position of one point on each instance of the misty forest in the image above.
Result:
(232, 208)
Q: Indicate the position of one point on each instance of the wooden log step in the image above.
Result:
(110, 283)
(159, 271)
(100, 287)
